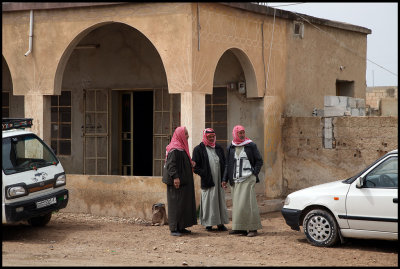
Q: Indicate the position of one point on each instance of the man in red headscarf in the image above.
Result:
(243, 163)
(178, 176)
(210, 165)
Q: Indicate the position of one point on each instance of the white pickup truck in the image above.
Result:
(33, 179)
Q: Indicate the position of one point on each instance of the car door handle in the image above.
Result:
(395, 200)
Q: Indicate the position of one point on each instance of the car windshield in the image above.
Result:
(25, 152)
(351, 179)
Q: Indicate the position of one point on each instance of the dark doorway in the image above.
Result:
(143, 133)
(137, 133)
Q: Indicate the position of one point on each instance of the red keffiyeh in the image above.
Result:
(206, 133)
(178, 141)
(236, 140)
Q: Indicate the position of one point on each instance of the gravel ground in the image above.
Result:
(87, 240)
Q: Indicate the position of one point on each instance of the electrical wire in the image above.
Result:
(332, 37)
(297, 14)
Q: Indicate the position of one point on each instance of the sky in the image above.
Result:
(380, 18)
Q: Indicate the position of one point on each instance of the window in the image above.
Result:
(384, 176)
(216, 114)
(344, 88)
(298, 30)
(61, 123)
(5, 104)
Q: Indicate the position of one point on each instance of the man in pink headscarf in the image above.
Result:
(243, 164)
(178, 176)
(210, 164)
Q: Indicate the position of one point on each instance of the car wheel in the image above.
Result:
(320, 228)
(40, 221)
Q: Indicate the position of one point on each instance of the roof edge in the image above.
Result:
(20, 6)
(269, 11)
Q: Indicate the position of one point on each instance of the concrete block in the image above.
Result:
(360, 103)
(327, 122)
(334, 111)
(389, 107)
(355, 112)
(331, 101)
(320, 113)
(328, 133)
(351, 102)
(343, 101)
(328, 143)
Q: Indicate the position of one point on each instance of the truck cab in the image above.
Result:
(33, 179)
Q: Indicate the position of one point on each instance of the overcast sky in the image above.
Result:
(380, 18)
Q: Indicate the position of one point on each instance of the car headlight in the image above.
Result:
(61, 180)
(16, 191)
(287, 201)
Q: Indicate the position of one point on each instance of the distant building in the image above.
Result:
(382, 101)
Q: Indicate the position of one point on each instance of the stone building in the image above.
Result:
(382, 100)
(107, 83)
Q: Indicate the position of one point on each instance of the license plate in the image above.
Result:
(46, 202)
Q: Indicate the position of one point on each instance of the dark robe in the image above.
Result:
(181, 201)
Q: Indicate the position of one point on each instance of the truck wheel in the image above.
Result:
(320, 228)
(40, 220)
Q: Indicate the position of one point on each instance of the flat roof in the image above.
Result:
(247, 6)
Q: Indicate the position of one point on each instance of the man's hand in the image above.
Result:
(177, 182)
(223, 184)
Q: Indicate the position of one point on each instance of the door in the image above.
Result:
(95, 132)
(374, 206)
(136, 133)
(163, 127)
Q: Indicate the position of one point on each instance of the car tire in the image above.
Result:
(320, 228)
(40, 220)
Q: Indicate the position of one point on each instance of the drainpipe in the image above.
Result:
(30, 34)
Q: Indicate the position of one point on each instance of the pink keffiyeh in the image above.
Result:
(236, 140)
(178, 141)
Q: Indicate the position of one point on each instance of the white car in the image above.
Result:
(363, 206)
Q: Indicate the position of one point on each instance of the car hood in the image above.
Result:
(322, 194)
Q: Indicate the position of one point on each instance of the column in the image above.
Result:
(193, 116)
(37, 107)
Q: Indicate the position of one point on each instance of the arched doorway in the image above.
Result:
(122, 114)
(12, 106)
(230, 104)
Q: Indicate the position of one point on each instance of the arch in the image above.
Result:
(75, 41)
(6, 71)
(248, 69)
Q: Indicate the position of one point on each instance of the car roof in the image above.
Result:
(14, 132)
(393, 151)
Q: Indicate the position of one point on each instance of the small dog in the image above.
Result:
(159, 214)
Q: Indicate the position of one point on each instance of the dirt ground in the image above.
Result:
(87, 240)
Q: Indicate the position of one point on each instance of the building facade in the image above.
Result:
(107, 83)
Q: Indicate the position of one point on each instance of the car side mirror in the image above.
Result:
(359, 182)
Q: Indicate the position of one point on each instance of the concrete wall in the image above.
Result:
(122, 196)
(358, 142)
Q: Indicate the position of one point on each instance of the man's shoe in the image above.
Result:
(175, 233)
(209, 228)
(252, 233)
(184, 231)
(238, 232)
(222, 228)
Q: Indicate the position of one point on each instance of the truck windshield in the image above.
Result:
(25, 152)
